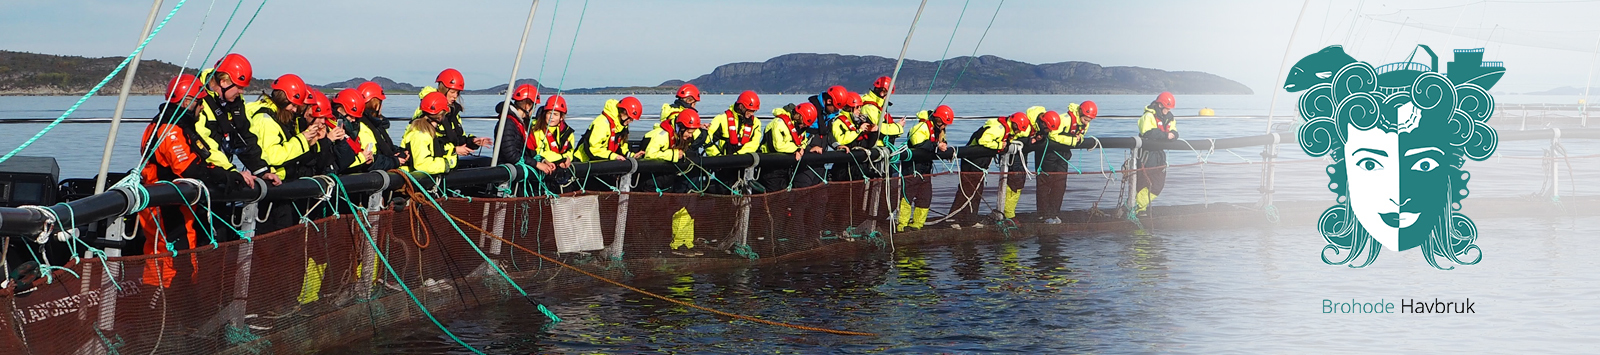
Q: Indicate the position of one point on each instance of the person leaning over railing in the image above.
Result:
(1061, 135)
(389, 155)
(927, 143)
(553, 141)
(786, 134)
(875, 107)
(356, 153)
(224, 125)
(987, 143)
(430, 152)
(607, 138)
(276, 121)
(736, 131)
(1157, 125)
(678, 141)
(173, 150)
(321, 159)
(847, 131)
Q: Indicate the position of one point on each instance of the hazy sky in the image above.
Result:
(1545, 44)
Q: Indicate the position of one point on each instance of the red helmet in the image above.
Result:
(525, 92)
(435, 103)
(320, 106)
(631, 107)
(1166, 100)
(370, 90)
(1051, 120)
(689, 90)
(688, 118)
(237, 68)
(836, 96)
(882, 83)
(293, 89)
(852, 100)
(184, 86)
(451, 78)
(1017, 121)
(556, 103)
(748, 100)
(807, 112)
(351, 101)
(944, 115)
(1088, 109)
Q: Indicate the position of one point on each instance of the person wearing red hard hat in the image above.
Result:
(358, 152)
(278, 121)
(1061, 133)
(424, 138)
(1155, 126)
(927, 144)
(676, 141)
(175, 151)
(607, 138)
(389, 155)
(991, 141)
(224, 125)
(555, 145)
(875, 107)
(686, 96)
(786, 134)
(450, 82)
(848, 131)
(515, 147)
(735, 131)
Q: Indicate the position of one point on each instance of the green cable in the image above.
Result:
(944, 56)
(568, 65)
(474, 246)
(974, 56)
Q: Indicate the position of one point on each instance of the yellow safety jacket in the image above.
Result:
(555, 144)
(1074, 127)
(1149, 121)
(277, 146)
(781, 138)
(923, 131)
(604, 141)
(844, 130)
(995, 135)
(668, 111)
(872, 106)
(727, 131)
(369, 142)
(206, 115)
(659, 144)
(424, 155)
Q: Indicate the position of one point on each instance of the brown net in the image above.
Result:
(342, 278)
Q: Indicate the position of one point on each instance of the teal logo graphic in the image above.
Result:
(1399, 136)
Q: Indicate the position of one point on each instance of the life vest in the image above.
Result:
(527, 137)
(615, 141)
(556, 140)
(795, 133)
(738, 134)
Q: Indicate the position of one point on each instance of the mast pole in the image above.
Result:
(122, 101)
(500, 128)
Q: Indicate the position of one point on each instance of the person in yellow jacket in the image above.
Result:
(554, 143)
(995, 136)
(927, 143)
(678, 141)
(875, 107)
(224, 124)
(1155, 126)
(355, 153)
(734, 132)
(276, 120)
(430, 152)
(786, 134)
(451, 83)
(1061, 133)
(850, 130)
(685, 98)
(607, 138)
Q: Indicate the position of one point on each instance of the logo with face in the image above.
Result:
(1398, 136)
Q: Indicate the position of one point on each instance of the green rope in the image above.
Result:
(470, 243)
(744, 250)
(365, 230)
(574, 45)
(554, 11)
(974, 56)
(943, 56)
(97, 87)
